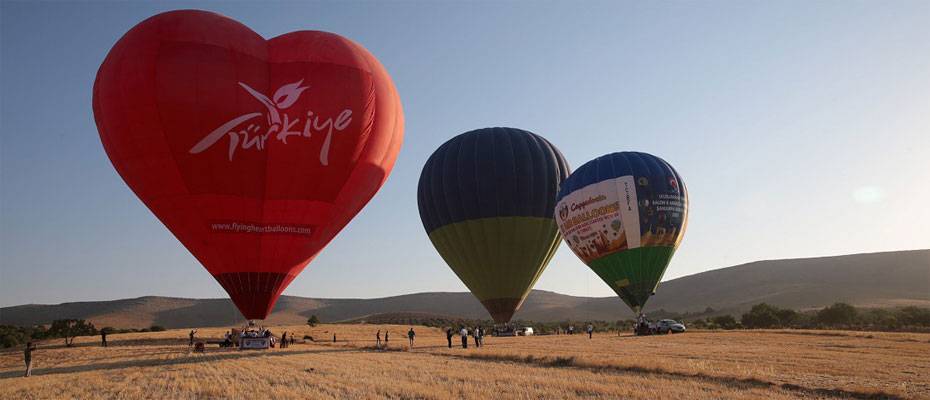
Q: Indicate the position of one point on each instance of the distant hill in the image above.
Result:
(873, 280)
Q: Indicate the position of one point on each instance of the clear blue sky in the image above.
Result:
(801, 128)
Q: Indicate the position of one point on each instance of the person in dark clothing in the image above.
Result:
(477, 336)
(378, 339)
(103, 337)
(283, 340)
(334, 338)
(386, 338)
(27, 356)
(191, 335)
(590, 330)
(449, 336)
(410, 335)
(464, 333)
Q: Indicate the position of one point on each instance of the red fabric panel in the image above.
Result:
(254, 153)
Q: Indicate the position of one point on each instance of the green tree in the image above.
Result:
(786, 316)
(761, 316)
(71, 328)
(725, 322)
(12, 336)
(698, 324)
(839, 314)
(914, 316)
(313, 320)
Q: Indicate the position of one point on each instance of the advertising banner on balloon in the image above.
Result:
(662, 211)
(601, 218)
(618, 214)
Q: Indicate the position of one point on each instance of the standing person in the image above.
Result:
(474, 334)
(283, 339)
(378, 340)
(464, 333)
(410, 335)
(590, 330)
(386, 338)
(481, 335)
(449, 336)
(191, 335)
(103, 337)
(27, 357)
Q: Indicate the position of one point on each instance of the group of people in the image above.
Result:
(411, 335)
(287, 340)
(571, 330)
(378, 338)
(477, 333)
(228, 341)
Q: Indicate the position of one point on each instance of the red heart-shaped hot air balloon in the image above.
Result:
(254, 153)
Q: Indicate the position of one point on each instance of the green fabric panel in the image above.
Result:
(634, 274)
(500, 257)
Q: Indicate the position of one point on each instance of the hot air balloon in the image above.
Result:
(486, 199)
(254, 153)
(624, 215)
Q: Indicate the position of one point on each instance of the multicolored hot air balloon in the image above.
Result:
(624, 215)
(254, 153)
(486, 198)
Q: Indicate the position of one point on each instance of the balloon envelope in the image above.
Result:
(624, 215)
(254, 153)
(486, 199)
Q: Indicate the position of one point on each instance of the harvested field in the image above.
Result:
(694, 365)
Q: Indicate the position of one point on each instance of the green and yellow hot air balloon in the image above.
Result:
(486, 198)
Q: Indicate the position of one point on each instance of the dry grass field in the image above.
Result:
(695, 365)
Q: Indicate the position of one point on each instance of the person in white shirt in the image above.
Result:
(464, 334)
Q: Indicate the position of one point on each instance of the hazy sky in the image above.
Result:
(801, 128)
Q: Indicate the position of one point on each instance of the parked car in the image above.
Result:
(525, 331)
(669, 326)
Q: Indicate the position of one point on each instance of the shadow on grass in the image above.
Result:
(192, 359)
(54, 344)
(732, 382)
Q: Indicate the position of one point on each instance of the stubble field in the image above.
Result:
(694, 365)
